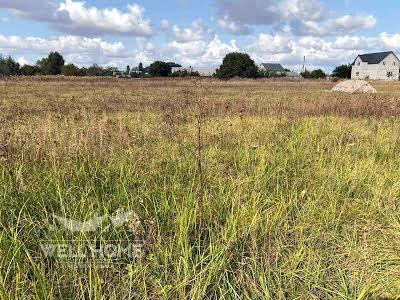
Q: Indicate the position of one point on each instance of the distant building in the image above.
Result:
(376, 66)
(205, 72)
(135, 70)
(272, 68)
(292, 74)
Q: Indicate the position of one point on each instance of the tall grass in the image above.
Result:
(300, 195)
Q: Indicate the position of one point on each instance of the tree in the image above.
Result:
(159, 69)
(128, 70)
(174, 65)
(140, 67)
(316, 74)
(8, 66)
(343, 71)
(94, 70)
(27, 70)
(237, 65)
(72, 70)
(51, 65)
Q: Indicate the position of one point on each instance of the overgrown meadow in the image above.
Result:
(236, 190)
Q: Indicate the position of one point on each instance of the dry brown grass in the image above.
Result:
(294, 99)
(300, 187)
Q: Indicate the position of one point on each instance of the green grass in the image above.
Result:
(297, 204)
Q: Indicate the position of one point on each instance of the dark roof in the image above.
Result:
(374, 58)
(273, 67)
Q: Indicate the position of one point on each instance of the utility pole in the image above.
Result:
(304, 65)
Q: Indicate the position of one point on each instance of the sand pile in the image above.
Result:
(354, 86)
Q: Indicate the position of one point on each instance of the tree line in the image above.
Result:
(234, 65)
(53, 64)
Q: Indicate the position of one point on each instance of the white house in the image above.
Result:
(205, 72)
(376, 66)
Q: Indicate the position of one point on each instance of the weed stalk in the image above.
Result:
(6, 154)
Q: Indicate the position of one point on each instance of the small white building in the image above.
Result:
(292, 75)
(376, 66)
(204, 72)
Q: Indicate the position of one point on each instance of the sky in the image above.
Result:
(198, 33)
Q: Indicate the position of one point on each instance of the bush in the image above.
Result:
(343, 71)
(316, 74)
(237, 65)
(8, 67)
(94, 70)
(72, 70)
(160, 69)
(51, 65)
(28, 70)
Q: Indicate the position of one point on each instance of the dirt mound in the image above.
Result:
(354, 86)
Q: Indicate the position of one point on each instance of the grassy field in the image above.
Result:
(237, 190)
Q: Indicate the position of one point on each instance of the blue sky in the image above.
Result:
(198, 33)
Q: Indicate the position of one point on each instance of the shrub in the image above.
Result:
(343, 71)
(237, 65)
(8, 66)
(28, 70)
(72, 70)
(52, 65)
(160, 69)
(316, 74)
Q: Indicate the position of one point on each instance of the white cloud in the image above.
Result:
(196, 45)
(41, 10)
(199, 53)
(355, 43)
(216, 51)
(164, 24)
(145, 51)
(227, 24)
(194, 49)
(354, 23)
(266, 12)
(92, 20)
(22, 61)
(64, 44)
(301, 17)
(196, 32)
(390, 41)
(344, 24)
(278, 43)
(303, 9)
(78, 18)
(75, 49)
